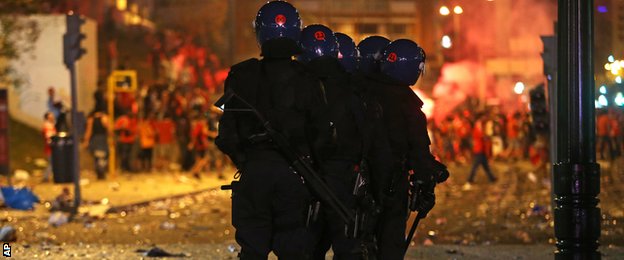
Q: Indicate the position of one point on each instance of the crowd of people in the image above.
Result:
(465, 137)
(159, 129)
(169, 123)
(154, 130)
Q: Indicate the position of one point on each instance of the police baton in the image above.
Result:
(408, 240)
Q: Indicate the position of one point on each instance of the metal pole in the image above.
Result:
(576, 173)
(112, 154)
(75, 139)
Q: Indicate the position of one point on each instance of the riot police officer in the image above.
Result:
(348, 53)
(371, 49)
(400, 67)
(270, 202)
(350, 148)
(340, 143)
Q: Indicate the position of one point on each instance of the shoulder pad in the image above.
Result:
(245, 65)
(417, 99)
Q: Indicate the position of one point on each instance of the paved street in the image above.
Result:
(506, 220)
(225, 251)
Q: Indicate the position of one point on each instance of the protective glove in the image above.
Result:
(425, 201)
(422, 196)
(440, 173)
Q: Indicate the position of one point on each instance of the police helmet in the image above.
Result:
(277, 19)
(317, 41)
(371, 50)
(348, 53)
(404, 61)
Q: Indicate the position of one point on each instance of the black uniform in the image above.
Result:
(406, 127)
(269, 205)
(347, 137)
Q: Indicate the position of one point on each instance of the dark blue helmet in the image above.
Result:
(404, 61)
(348, 53)
(371, 50)
(317, 41)
(277, 19)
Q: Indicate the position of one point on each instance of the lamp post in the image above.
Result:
(576, 174)
(457, 11)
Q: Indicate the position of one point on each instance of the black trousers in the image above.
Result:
(269, 208)
(392, 222)
(125, 151)
(330, 228)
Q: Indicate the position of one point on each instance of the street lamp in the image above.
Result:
(446, 42)
(603, 89)
(122, 4)
(444, 10)
(519, 88)
(458, 9)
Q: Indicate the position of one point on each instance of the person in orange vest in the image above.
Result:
(147, 139)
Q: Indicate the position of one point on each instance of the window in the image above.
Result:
(397, 28)
(366, 28)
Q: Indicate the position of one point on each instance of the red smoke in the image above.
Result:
(499, 45)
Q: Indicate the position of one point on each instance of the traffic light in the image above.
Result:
(549, 56)
(539, 111)
(72, 39)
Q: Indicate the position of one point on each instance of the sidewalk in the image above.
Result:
(123, 190)
(128, 189)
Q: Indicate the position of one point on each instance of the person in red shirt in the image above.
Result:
(614, 135)
(49, 130)
(166, 147)
(478, 150)
(462, 127)
(126, 128)
(602, 131)
(514, 148)
(199, 143)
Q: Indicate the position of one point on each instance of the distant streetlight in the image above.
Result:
(602, 101)
(458, 9)
(446, 42)
(618, 80)
(619, 99)
(122, 4)
(603, 89)
(445, 10)
(519, 88)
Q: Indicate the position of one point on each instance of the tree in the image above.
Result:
(17, 36)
